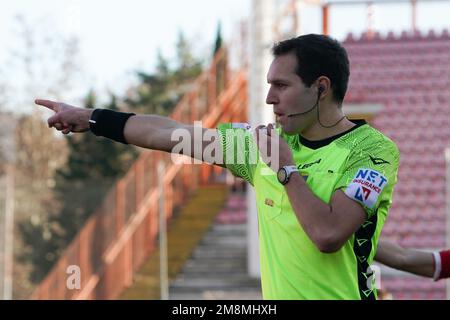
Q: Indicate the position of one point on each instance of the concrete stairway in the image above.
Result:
(217, 268)
(184, 233)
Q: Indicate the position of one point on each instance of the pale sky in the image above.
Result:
(120, 36)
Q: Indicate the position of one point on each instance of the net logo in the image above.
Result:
(366, 187)
(362, 194)
(371, 176)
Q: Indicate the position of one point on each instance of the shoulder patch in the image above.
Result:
(366, 187)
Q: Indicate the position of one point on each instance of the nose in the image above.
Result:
(271, 97)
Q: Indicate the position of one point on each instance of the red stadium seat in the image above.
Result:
(410, 75)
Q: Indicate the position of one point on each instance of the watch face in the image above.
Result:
(281, 175)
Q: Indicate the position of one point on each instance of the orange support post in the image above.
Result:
(139, 180)
(325, 17)
(120, 206)
(212, 87)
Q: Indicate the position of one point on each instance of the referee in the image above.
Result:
(324, 192)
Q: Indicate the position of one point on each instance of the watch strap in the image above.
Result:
(290, 170)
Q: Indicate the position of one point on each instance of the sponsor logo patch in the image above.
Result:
(307, 165)
(377, 161)
(366, 187)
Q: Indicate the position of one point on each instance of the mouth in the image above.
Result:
(278, 116)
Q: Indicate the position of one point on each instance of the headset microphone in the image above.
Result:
(321, 89)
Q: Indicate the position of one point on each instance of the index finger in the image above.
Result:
(52, 105)
(269, 129)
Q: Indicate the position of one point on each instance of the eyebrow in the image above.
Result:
(277, 80)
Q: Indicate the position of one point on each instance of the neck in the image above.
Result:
(317, 132)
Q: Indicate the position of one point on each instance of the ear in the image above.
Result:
(323, 86)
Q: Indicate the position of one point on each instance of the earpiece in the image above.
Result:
(321, 89)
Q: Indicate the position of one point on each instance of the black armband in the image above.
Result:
(109, 124)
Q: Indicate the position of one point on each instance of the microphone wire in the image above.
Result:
(318, 114)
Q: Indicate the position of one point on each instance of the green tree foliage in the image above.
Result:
(187, 67)
(220, 64)
(219, 41)
(42, 62)
(93, 165)
(39, 154)
(159, 92)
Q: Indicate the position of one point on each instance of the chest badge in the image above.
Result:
(269, 202)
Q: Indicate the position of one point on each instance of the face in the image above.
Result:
(288, 95)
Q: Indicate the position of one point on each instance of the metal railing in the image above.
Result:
(118, 238)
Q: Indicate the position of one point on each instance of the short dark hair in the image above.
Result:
(318, 55)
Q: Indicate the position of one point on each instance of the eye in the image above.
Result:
(280, 85)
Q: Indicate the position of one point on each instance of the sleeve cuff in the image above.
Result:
(437, 265)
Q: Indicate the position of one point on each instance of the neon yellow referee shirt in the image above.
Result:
(363, 163)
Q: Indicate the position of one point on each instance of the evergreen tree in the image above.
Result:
(159, 92)
(162, 66)
(93, 166)
(218, 43)
(187, 67)
(221, 64)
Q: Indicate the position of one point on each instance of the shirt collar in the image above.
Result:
(295, 141)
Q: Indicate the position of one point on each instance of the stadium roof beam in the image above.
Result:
(326, 5)
(347, 2)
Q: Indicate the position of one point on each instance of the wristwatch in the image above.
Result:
(284, 173)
